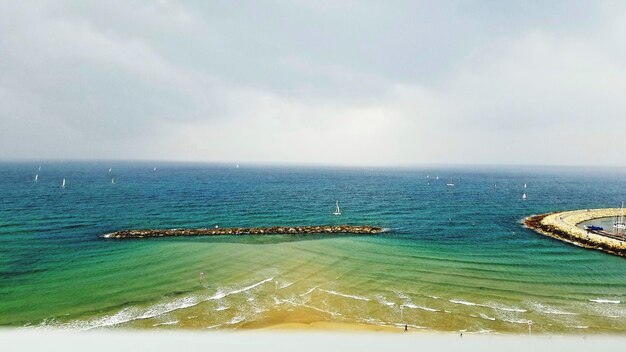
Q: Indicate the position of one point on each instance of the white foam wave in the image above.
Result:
(507, 309)
(235, 320)
(414, 306)
(220, 294)
(286, 285)
(166, 323)
(602, 300)
(135, 313)
(485, 316)
(294, 303)
(383, 300)
(545, 309)
(465, 303)
(309, 291)
(360, 298)
(517, 321)
(578, 326)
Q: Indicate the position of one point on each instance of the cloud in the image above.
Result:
(302, 82)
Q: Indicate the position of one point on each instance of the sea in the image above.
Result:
(454, 256)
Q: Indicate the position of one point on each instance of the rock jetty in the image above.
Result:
(564, 226)
(276, 230)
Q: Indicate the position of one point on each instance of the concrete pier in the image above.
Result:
(276, 230)
(564, 226)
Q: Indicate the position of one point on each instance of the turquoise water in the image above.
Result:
(454, 258)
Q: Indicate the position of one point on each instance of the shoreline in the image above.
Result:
(564, 227)
(255, 231)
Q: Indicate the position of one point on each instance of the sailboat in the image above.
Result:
(36, 177)
(524, 196)
(113, 180)
(524, 185)
(154, 169)
(619, 224)
(63, 184)
(109, 170)
(337, 210)
(39, 167)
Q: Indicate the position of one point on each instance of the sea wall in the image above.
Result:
(276, 230)
(564, 226)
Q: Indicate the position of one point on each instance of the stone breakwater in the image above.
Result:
(564, 226)
(276, 230)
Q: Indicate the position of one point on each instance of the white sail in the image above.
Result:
(36, 177)
(109, 170)
(154, 169)
(524, 185)
(63, 184)
(113, 180)
(337, 210)
(619, 223)
(524, 196)
(39, 167)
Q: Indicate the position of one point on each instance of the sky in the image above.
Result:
(315, 82)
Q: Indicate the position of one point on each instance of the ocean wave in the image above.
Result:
(517, 321)
(545, 309)
(602, 300)
(297, 304)
(309, 291)
(465, 303)
(167, 323)
(280, 287)
(135, 313)
(578, 326)
(414, 306)
(360, 298)
(505, 308)
(383, 300)
(485, 316)
(221, 294)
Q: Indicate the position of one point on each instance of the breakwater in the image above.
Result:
(276, 230)
(564, 226)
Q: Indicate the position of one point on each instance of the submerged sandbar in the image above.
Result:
(564, 226)
(275, 230)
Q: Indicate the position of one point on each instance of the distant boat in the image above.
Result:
(154, 169)
(39, 167)
(36, 177)
(63, 184)
(337, 210)
(109, 170)
(236, 167)
(524, 196)
(524, 185)
(113, 180)
(450, 184)
(436, 178)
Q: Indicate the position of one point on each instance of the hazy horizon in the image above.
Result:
(315, 83)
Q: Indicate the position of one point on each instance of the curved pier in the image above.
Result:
(276, 230)
(564, 226)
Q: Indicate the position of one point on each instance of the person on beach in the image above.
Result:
(406, 327)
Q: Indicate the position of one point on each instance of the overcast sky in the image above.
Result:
(333, 82)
